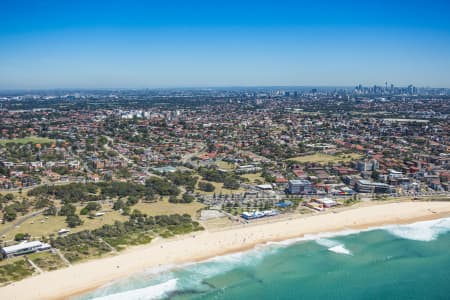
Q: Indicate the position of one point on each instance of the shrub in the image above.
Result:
(206, 186)
(21, 236)
(73, 221)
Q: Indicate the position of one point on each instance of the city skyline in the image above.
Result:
(117, 44)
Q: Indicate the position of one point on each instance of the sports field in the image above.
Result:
(30, 139)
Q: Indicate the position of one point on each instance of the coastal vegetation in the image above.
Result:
(139, 229)
(13, 270)
(47, 261)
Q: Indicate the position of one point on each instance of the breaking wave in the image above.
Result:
(421, 231)
(162, 282)
(334, 246)
(340, 249)
(148, 293)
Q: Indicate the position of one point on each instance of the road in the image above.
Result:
(186, 158)
(17, 222)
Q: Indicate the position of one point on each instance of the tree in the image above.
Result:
(9, 197)
(67, 210)
(132, 200)
(173, 199)
(42, 202)
(183, 178)
(21, 236)
(126, 211)
(206, 186)
(51, 211)
(102, 140)
(91, 206)
(230, 183)
(162, 186)
(267, 176)
(61, 170)
(188, 198)
(119, 204)
(10, 213)
(73, 221)
(136, 214)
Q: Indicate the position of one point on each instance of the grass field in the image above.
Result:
(15, 193)
(166, 208)
(40, 225)
(225, 165)
(321, 158)
(253, 177)
(31, 139)
(217, 223)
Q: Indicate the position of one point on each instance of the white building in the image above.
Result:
(24, 248)
(393, 174)
(326, 202)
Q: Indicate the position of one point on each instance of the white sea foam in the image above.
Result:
(186, 276)
(334, 246)
(148, 293)
(327, 243)
(340, 249)
(313, 237)
(421, 231)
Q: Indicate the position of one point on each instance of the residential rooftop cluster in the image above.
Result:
(83, 136)
(100, 170)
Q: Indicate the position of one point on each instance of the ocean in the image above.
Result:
(393, 262)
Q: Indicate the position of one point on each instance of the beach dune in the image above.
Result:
(198, 246)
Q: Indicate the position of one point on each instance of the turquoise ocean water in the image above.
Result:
(394, 262)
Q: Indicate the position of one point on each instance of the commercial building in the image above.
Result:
(366, 186)
(259, 214)
(393, 174)
(367, 165)
(300, 187)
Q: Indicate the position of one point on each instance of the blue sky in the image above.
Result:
(140, 44)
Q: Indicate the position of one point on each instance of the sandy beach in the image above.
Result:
(86, 276)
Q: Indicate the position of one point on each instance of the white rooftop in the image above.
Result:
(23, 246)
(327, 200)
(298, 181)
(264, 186)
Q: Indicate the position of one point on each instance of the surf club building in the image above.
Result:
(24, 248)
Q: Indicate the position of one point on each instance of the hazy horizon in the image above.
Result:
(137, 45)
(201, 87)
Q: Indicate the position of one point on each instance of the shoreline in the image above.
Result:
(204, 245)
